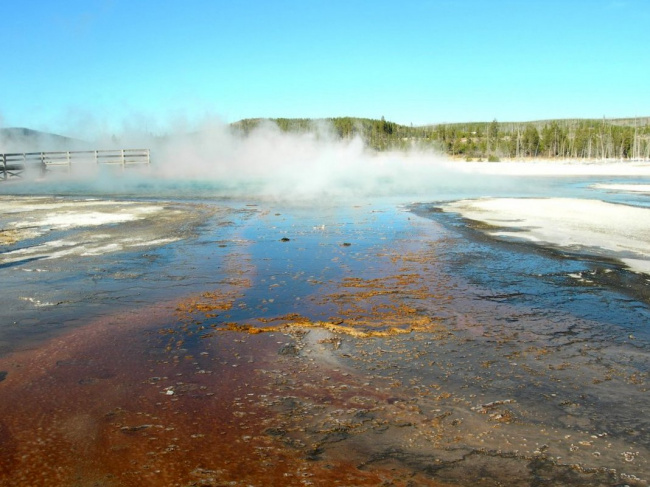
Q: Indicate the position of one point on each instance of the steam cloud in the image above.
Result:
(266, 163)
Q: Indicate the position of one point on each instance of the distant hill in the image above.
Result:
(621, 138)
(19, 139)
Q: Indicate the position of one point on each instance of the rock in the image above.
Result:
(277, 432)
(134, 429)
(289, 349)
(3, 375)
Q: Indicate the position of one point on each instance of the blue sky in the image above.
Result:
(66, 63)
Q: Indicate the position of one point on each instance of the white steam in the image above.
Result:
(212, 158)
(276, 164)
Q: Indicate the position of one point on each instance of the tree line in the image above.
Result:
(550, 139)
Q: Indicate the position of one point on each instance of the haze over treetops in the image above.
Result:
(565, 139)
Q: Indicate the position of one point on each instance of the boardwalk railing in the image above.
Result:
(13, 165)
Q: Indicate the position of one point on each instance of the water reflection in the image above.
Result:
(372, 346)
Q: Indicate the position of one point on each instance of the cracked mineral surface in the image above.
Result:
(188, 344)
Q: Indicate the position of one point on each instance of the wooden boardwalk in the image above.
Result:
(14, 165)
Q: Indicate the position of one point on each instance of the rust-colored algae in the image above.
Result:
(387, 378)
(103, 406)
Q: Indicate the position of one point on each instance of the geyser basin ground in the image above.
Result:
(583, 226)
(358, 343)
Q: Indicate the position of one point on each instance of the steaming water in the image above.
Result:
(562, 337)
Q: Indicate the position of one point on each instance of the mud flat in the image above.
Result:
(335, 348)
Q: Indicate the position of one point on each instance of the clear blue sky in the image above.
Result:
(421, 61)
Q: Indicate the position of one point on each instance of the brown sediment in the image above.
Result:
(117, 403)
(396, 387)
(102, 406)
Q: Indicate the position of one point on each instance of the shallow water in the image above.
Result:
(347, 343)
